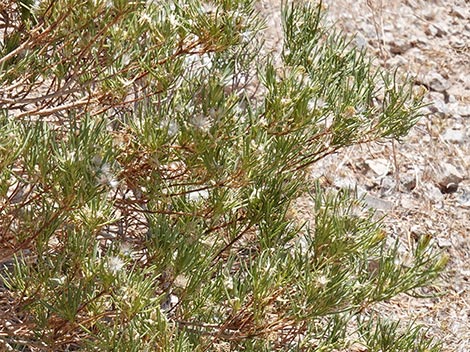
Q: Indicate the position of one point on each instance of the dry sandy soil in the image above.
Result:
(422, 185)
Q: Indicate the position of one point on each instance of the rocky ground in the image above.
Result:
(421, 184)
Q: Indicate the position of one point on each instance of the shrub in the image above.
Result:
(151, 154)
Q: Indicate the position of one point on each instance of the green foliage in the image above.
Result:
(150, 156)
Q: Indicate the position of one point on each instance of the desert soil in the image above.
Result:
(422, 184)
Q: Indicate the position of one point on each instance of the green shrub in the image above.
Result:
(150, 157)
